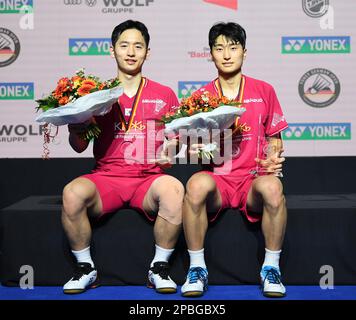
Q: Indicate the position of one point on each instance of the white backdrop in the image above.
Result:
(308, 60)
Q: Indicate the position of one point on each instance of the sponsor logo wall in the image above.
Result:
(303, 48)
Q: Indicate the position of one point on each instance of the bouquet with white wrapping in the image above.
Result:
(76, 100)
(203, 112)
(97, 103)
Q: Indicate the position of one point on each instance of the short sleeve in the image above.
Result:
(172, 101)
(275, 121)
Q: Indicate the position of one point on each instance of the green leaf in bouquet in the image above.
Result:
(47, 103)
(93, 131)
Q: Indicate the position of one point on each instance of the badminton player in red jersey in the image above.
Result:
(124, 174)
(251, 185)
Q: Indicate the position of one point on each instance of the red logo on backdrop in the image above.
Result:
(231, 4)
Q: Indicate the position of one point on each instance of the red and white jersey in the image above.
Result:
(131, 134)
(263, 118)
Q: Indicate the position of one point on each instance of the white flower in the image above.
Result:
(207, 151)
(210, 147)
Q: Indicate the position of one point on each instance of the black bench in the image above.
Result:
(320, 231)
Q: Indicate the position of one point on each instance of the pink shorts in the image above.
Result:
(117, 192)
(234, 192)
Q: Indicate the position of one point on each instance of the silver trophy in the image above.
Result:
(266, 150)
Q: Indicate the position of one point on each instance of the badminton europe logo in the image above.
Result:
(231, 4)
(319, 87)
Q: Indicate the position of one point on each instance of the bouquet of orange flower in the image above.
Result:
(77, 99)
(202, 112)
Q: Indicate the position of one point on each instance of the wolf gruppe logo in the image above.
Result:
(186, 88)
(231, 4)
(15, 6)
(318, 131)
(124, 6)
(89, 46)
(315, 8)
(319, 44)
(16, 91)
(128, 3)
(19, 132)
(319, 87)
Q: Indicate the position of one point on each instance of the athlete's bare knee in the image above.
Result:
(171, 201)
(272, 192)
(76, 196)
(198, 188)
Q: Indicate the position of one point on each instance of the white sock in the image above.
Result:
(272, 258)
(197, 258)
(83, 256)
(161, 254)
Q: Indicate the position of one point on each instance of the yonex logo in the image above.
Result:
(81, 46)
(15, 6)
(319, 44)
(89, 46)
(186, 88)
(317, 131)
(290, 44)
(16, 91)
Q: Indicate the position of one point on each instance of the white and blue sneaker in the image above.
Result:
(196, 282)
(159, 279)
(85, 277)
(271, 282)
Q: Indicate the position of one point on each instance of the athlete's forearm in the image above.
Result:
(77, 143)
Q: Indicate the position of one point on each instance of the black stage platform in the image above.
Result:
(320, 232)
(321, 228)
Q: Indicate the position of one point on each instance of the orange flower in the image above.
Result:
(64, 84)
(224, 100)
(214, 104)
(58, 93)
(82, 91)
(89, 83)
(62, 101)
